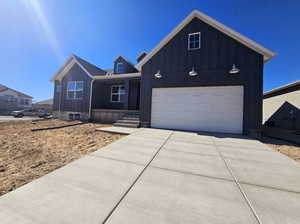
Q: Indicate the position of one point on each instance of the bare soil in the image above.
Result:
(289, 149)
(27, 155)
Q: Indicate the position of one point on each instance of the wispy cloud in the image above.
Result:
(35, 6)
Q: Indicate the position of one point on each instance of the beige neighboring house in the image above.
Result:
(281, 107)
(46, 105)
(11, 99)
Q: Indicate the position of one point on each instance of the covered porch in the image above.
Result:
(115, 97)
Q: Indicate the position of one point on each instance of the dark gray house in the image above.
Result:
(281, 107)
(203, 76)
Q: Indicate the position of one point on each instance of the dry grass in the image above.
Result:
(289, 149)
(26, 155)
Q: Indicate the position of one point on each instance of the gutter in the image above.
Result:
(91, 95)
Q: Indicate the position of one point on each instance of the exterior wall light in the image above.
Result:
(234, 70)
(158, 75)
(193, 72)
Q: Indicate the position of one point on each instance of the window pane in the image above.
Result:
(115, 98)
(122, 90)
(191, 45)
(197, 37)
(79, 85)
(71, 86)
(197, 44)
(192, 37)
(70, 95)
(79, 94)
(115, 89)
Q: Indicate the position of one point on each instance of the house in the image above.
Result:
(281, 107)
(11, 99)
(46, 105)
(203, 76)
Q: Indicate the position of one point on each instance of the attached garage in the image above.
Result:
(213, 109)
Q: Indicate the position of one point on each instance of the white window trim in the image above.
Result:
(119, 94)
(190, 34)
(75, 91)
(117, 67)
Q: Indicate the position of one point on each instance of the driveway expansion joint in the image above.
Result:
(138, 177)
(238, 185)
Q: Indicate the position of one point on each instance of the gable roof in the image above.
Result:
(296, 83)
(4, 88)
(90, 69)
(129, 62)
(268, 54)
(49, 101)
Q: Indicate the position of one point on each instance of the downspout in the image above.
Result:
(91, 95)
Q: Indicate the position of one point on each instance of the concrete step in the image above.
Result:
(128, 121)
(126, 125)
(131, 117)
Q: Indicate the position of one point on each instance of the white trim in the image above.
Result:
(91, 95)
(118, 68)
(191, 49)
(66, 68)
(125, 75)
(268, 54)
(75, 91)
(119, 94)
(120, 56)
(282, 87)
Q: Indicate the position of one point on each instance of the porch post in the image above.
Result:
(126, 100)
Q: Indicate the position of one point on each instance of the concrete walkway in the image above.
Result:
(160, 176)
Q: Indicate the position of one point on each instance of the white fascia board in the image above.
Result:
(268, 54)
(66, 67)
(282, 87)
(126, 75)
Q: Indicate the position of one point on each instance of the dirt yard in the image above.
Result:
(27, 155)
(289, 149)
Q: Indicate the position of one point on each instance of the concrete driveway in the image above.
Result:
(160, 176)
(11, 118)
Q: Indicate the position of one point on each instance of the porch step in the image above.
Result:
(127, 125)
(130, 120)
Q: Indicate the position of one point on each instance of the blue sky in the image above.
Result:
(37, 36)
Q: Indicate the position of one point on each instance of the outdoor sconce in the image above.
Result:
(193, 72)
(158, 75)
(234, 70)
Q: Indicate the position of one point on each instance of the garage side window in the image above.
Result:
(194, 40)
(117, 93)
(75, 90)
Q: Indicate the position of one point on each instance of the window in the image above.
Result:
(120, 67)
(194, 41)
(117, 93)
(75, 90)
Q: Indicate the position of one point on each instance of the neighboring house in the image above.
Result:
(281, 107)
(203, 76)
(11, 99)
(46, 105)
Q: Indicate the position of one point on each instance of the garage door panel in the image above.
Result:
(217, 109)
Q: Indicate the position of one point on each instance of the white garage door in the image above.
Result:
(216, 109)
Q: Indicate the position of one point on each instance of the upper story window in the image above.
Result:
(194, 41)
(117, 93)
(120, 67)
(75, 90)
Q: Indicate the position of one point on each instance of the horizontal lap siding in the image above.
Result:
(212, 62)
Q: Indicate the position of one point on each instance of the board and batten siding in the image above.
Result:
(212, 61)
(61, 103)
